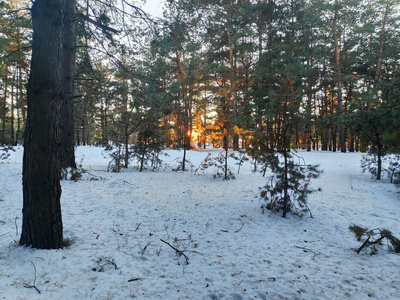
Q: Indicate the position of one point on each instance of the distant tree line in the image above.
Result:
(232, 74)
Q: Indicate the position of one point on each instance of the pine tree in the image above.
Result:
(42, 224)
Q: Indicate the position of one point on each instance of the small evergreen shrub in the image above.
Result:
(390, 165)
(287, 189)
(179, 165)
(218, 165)
(148, 159)
(117, 158)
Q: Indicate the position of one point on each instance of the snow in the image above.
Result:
(115, 223)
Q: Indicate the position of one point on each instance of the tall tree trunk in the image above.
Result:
(379, 171)
(66, 145)
(286, 182)
(233, 91)
(18, 124)
(21, 96)
(4, 109)
(12, 131)
(186, 137)
(342, 142)
(42, 223)
(308, 114)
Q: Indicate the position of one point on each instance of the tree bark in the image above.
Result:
(342, 141)
(42, 222)
(3, 126)
(12, 134)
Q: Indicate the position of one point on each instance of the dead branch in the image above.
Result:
(97, 24)
(366, 242)
(383, 233)
(28, 286)
(137, 227)
(240, 228)
(307, 249)
(4, 234)
(16, 226)
(144, 249)
(177, 250)
(135, 279)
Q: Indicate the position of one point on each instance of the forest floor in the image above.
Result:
(123, 228)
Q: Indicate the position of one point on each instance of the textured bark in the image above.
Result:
(41, 223)
(66, 145)
(3, 126)
(342, 141)
(12, 131)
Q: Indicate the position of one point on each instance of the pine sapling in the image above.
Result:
(287, 189)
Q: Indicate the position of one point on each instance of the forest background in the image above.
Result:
(323, 74)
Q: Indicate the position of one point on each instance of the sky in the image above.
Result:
(154, 7)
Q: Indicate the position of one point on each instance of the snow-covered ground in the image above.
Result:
(115, 223)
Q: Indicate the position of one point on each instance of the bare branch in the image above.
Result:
(177, 250)
(97, 24)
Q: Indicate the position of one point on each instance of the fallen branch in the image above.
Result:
(177, 250)
(240, 228)
(135, 279)
(16, 226)
(144, 249)
(137, 227)
(33, 286)
(307, 249)
(372, 240)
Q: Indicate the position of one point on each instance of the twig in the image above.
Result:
(137, 227)
(4, 234)
(307, 249)
(16, 226)
(112, 184)
(144, 249)
(363, 245)
(94, 177)
(177, 250)
(240, 227)
(34, 280)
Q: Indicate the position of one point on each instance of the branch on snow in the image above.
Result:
(177, 251)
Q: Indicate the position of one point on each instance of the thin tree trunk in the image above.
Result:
(336, 34)
(186, 138)
(232, 90)
(66, 150)
(286, 185)
(143, 154)
(3, 125)
(12, 133)
(21, 96)
(308, 111)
